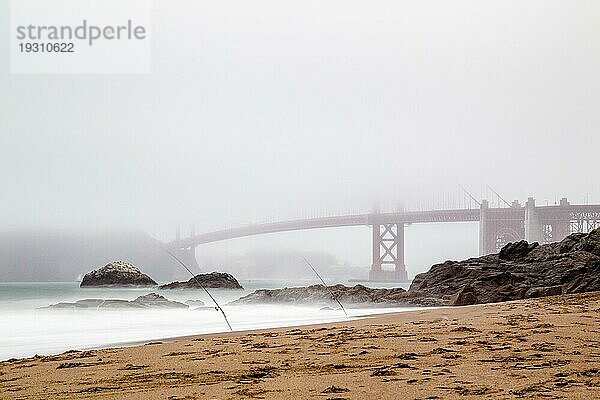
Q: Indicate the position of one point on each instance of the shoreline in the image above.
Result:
(170, 339)
(141, 342)
(527, 348)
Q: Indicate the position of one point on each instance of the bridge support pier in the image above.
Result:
(185, 254)
(388, 249)
(562, 228)
(533, 225)
(188, 256)
(485, 247)
(556, 226)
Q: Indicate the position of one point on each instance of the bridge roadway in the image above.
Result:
(497, 226)
(408, 217)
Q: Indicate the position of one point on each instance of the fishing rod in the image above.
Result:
(324, 284)
(218, 307)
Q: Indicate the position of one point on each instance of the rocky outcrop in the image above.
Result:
(520, 270)
(195, 303)
(213, 280)
(149, 301)
(358, 295)
(464, 297)
(117, 273)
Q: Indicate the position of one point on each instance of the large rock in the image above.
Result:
(153, 300)
(117, 273)
(521, 270)
(195, 303)
(589, 243)
(148, 301)
(358, 295)
(516, 251)
(213, 280)
(465, 297)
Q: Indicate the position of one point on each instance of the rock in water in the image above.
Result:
(358, 295)
(213, 280)
(195, 303)
(153, 300)
(117, 273)
(148, 301)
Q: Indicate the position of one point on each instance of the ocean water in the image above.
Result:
(26, 330)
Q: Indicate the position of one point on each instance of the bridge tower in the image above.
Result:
(562, 228)
(533, 225)
(388, 249)
(553, 223)
(498, 226)
(484, 231)
(185, 254)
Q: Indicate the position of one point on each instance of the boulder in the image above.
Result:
(590, 243)
(195, 303)
(543, 291)
(358, 295)
(464, 297)
(518, 250)
(569, 242)
(153, 300)
(148, 301)
(218, 280)
(117, 273)
(520, 270)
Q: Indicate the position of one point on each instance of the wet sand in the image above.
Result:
(543, 348)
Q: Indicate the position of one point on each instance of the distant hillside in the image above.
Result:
(52, 256)
(66, 255)
(281, 264)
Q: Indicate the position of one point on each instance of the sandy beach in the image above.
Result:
(542, 348)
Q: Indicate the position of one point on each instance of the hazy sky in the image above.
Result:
(259, 110)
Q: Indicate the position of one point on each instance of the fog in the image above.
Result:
(269, 110)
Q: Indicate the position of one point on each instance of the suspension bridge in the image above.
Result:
(505, 222)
